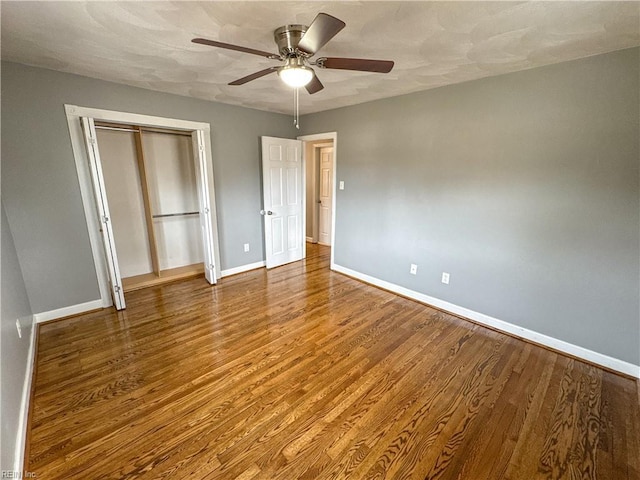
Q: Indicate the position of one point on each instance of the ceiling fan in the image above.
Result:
(296, 45)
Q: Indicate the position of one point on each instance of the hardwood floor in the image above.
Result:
(301, 373)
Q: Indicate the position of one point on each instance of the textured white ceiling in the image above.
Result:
(148, 44)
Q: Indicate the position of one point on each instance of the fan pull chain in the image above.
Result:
(296, 106)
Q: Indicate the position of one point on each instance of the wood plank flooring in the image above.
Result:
(301, 373)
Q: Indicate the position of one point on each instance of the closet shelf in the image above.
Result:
(150, 279)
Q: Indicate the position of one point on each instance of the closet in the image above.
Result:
(151, 188)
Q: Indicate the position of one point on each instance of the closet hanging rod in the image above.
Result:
(175, 214)
(140, 129)
(119, 129)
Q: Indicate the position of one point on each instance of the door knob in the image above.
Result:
(268, 212)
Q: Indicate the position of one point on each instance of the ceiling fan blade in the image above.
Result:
(315, 85)
(238, 48)
(360, 64)
(253, 76)
(323, 28)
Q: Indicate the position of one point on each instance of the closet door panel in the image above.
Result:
(122, 182)
(174, 198)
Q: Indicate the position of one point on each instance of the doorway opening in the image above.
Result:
(320, 155)
(299, 188)
(150, 183)
(318, 187)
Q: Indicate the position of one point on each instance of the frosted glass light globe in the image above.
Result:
(296, 76)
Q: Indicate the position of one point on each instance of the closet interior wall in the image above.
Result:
(151, 187)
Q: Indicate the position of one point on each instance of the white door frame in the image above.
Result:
(312, 138)
(74, 113)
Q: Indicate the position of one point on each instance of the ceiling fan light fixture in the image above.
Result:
(296, 45)
(295, 73)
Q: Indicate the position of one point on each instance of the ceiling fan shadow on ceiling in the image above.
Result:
(296, 45)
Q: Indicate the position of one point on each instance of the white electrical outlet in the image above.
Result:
(246, 247)
(19, 328)
(445, 278)
(341, 186)
(414, 269)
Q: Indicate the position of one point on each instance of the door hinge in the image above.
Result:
(201, 148)
(93, 140)
(117, 288)
(206, 210)
(210, 266)
(105, 219)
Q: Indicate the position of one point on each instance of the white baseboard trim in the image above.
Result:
(23, 421)
(309, 239)
(67, 311)
(524, 333)
(242, 268)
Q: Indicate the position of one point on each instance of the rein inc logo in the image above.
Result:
(17, 474)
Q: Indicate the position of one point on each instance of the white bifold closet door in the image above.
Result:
(104, 215)
(178, 200)
(206, 225)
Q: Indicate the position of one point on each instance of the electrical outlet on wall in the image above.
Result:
(246, 247)
(19, 327)
(445, 278)
(414, 269)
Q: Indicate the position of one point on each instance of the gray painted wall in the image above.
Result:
(14, 350)
(524, 187)
(40, 185)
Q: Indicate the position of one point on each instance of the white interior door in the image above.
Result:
(325, 195)
(106, 227)
(205, 205)
(283, 200)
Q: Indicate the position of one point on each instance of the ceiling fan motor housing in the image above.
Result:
(287, 38)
